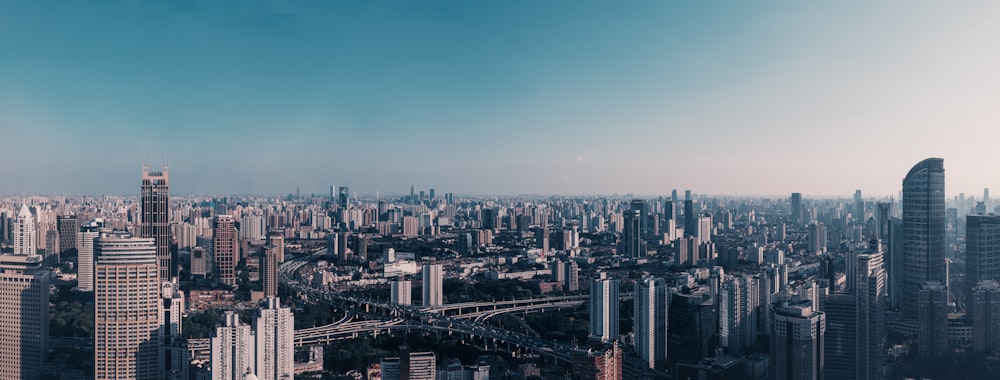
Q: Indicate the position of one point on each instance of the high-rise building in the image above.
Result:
(67, 227)
(276, 239)
(797, 339)
(567, 273)
(432, 285)
(410, 366)
(739, 300)
(872, 302)
(24, 334)
(226, 249)
(632, 234)
(400, 292)
(691, 209)
(884, 213)
(796, 202)
(344, 197)
(691, 325)
(201, 266)
(599, 364)
(126, 308)
(982, 248)
(894, 263)
(233, 349)
(269, 271)
(817, 238)
(841, 339)
(704, 231)
(923, 230)
(174, 357)
(85, 254)
(155, 220)
(274, 331)
(932, 319)
(650, 321)
(604, 307)
(985, 312)
(25, 238)
(252, 226)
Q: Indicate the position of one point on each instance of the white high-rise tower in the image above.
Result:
(25, 240)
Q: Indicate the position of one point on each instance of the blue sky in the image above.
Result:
(577, 97)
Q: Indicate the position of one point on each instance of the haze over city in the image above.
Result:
(497, 98)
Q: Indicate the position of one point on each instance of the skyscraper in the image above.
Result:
(923, 230)
(797, 338)
(25, 239)
(85, 254)
(344, 197)
(432, 287)
(691, 210)
(174, 357)
(632, 234)
(67, 227)
(872, 302)
(24, 334)
(982, 248)
(274, 331)
(691, 325)
(985, 312)
(233, 349)
(126, 308)
(400, 292)
(932, 319)
(604, 306)
(155, 221)
(796, 202)
(276, 239)
(739, 300)
(650, 321)
(817, 238)
(225, 243)
(269, 271)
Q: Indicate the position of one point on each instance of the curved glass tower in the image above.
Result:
(923, 229)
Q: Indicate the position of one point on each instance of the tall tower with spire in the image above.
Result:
(25, 239)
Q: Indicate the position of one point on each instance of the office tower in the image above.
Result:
(269, 271)
(686, 254)
(570, 276)
(690, 217)
(432, 287)
(704, 231)
(85, 254)
(604, 306)
(252, 226)
(276, 239)
(817, 238)
(841, 339)
(274, 331)
(859, 206)
(739, 299)
(932, 319)
(411, 227)
(413, 195)
(399, 292)
(67, 227)
(982, 248)
(410, 366)
(632, 234)
(25, 239)
(431, 193)
(345, 195)
(233, 349)
(641, 206)
(174, 357)
(985, 313)
(126, 308)
(155, 220)
(796, 202)
(923, 230)
(894, 263)
(797, 339)
(872, 301)
(200, 264)
(226, 249)
(650, 321)
(884, 214)
(24, 292)
(691, 325)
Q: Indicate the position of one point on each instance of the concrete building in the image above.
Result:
(233, 349)
(984, 311)
(274, 331)
(432, 287)
(797, 339)
(226, 249)
(923, 230)
(269, 271)
(650, 321)
(85, 254)
(400, 292)
(25, 238)
(982, 248)
(932, 319)
(604, 308)
(127, 308)
(24, 333)
(67, 227)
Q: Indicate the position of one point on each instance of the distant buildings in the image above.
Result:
(410, 366)
(25, 238)
(265, 351)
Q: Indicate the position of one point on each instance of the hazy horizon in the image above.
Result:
(519, 97)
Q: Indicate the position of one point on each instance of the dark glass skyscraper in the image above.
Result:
(923, 230)
(155, 221)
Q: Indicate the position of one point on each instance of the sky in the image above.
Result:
(498, 97)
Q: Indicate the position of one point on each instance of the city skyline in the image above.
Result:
(524, 98)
